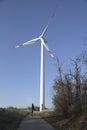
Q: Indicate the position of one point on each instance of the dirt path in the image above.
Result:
(34, 123)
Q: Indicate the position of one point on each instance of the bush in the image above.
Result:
(84, 108)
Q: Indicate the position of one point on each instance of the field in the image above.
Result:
(60, 122)
(10, 118)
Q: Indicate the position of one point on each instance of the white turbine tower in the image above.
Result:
(43, 44)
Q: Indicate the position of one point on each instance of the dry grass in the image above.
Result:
(11, 118)
(60, 122)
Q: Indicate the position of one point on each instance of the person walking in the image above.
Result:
(32, 108)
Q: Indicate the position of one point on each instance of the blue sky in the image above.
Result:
(23, 20)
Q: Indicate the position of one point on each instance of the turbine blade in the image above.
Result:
(28, 42)
(44, 31)
(49, 51)
(49, 21)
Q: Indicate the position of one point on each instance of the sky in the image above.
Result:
(23, 20)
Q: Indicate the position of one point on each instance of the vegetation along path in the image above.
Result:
(34, 122)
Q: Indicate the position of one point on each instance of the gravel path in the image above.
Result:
(34, 123)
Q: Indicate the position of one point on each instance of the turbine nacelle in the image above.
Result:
(40, 38)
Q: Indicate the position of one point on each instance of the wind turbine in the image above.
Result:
(43, 45)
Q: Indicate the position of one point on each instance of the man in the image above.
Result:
(32, 108)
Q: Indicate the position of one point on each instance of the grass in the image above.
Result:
(11, 118)
(60, 122)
